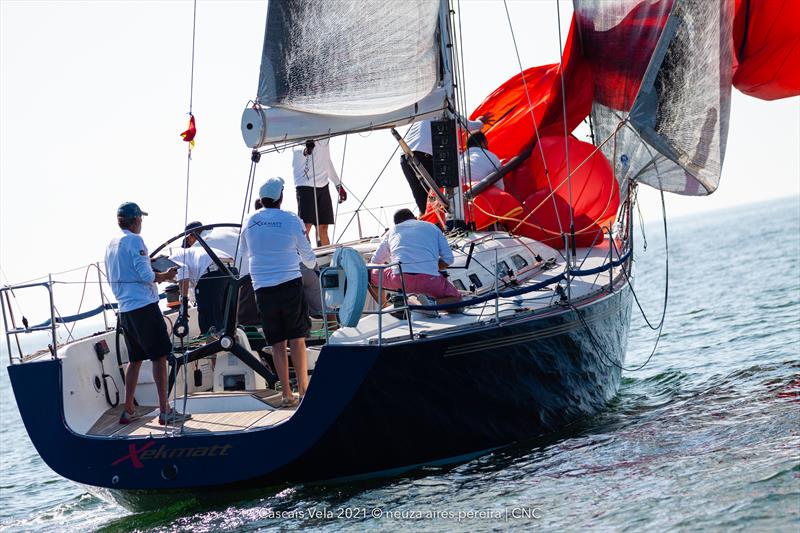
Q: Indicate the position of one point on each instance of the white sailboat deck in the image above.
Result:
(395, 327)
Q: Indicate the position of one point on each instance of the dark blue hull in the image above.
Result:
(370, 410)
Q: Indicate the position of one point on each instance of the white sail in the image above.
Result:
(673, 134)
(347, 65)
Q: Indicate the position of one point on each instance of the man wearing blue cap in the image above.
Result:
(133, 282)
(274, 241)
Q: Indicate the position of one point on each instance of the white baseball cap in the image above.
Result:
(271, 189)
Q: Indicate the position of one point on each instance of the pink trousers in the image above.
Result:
(434, 286)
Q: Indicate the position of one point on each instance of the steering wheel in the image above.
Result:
(227, 340)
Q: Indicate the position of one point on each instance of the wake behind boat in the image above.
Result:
(542, 245)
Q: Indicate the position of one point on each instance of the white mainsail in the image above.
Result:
(348, 65)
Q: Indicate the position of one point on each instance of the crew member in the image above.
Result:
(275, 242)
(421, 248)
(133, 283)
(478, 161)
(209, 284)
(313, 169)
(418, 139)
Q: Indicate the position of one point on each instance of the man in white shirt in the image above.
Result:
(478, 162)
(201, 275)
(133, 283)
(313, 169)
(421, 248)
(274, 242)
(418, 139)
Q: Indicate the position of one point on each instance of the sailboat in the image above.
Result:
(545, 265)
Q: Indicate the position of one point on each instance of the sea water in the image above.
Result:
(705, 437)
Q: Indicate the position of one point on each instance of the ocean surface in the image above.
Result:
(705, 437)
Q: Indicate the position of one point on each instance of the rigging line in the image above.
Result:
(462, 74)
(191, 77)
(341, 182)
(588, 157)
(660, 326)
(666, 269)
(641, 224)
(80, 304)
(533, 118)
(370, 190)
(16, 300)
(189, 144)
(459, 104)
(256, 156)
(367, 209)
(566, 133)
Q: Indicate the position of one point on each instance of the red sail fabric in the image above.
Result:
(766, 40)
(513, 130)
(618, 39)
(490, 206)
(595, 193)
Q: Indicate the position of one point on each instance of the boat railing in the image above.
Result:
(623, 256)
(13, 330)
(404, 308)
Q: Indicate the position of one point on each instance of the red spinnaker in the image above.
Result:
(513, 131)
(766, 40)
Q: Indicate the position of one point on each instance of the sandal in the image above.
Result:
(126, 417)
(290, 402)
(172, 417)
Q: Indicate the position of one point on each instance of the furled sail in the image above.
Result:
(662, 80)
(347, 65)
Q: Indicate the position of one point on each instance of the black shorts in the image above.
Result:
(145, 333)
(305, 205)
(283, 310)
(210, 294)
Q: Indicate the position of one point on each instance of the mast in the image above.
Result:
(455, 214)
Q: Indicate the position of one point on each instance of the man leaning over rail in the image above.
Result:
(421, 248)
(133, 282)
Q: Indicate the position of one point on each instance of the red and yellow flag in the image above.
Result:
(189, 134)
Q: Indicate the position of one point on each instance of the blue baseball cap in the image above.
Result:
(272, 189)
(130, 210)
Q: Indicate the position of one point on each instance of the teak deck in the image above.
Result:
(108, 424)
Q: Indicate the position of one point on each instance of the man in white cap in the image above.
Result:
(133, 282)
(274, 241)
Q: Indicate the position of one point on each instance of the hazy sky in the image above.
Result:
(94, 95)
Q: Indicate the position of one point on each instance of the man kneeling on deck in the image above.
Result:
(422, 250)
